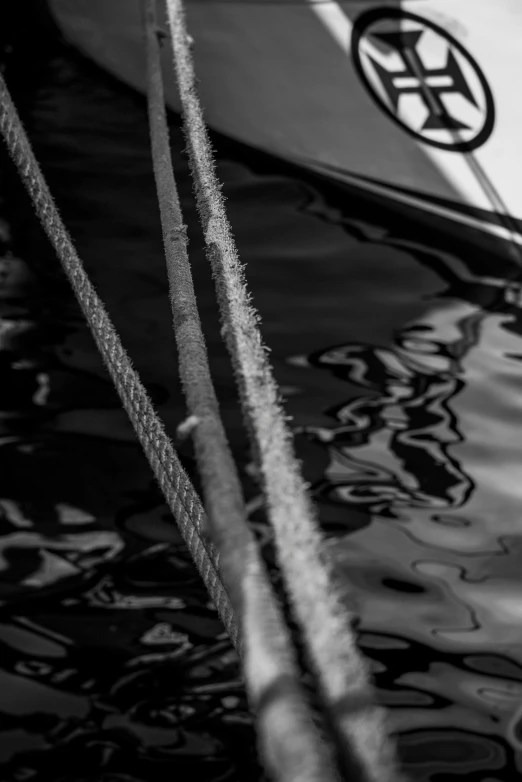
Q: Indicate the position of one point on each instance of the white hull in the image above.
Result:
(284, 77)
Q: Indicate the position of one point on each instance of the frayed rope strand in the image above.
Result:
(172, 478)
(318, 605)
(290, 745)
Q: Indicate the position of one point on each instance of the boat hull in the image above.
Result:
(319, 84)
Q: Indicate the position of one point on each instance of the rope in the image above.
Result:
(172, 478)
(316, 599)
(289, 742)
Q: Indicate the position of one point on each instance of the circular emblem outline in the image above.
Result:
(377, 14)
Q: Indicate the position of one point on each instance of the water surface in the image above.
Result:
(399, 357)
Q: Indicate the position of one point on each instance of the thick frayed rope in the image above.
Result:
(318, 605)
(289, 743)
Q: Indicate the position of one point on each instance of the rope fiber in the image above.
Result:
(289, 743)
(320, 608)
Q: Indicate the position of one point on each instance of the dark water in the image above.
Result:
(400, 360)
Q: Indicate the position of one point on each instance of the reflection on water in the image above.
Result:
(114, 665)
(429, 446)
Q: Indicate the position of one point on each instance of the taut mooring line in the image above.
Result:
(175, 484)
(290, 745)
(319, 607)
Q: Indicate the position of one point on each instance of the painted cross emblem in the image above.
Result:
(423, 79)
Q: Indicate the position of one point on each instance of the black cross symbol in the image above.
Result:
(405, 44)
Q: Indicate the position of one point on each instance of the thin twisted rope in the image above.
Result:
(172, 478)
(318, 604)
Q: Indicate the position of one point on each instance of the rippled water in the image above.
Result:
(400, 360)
